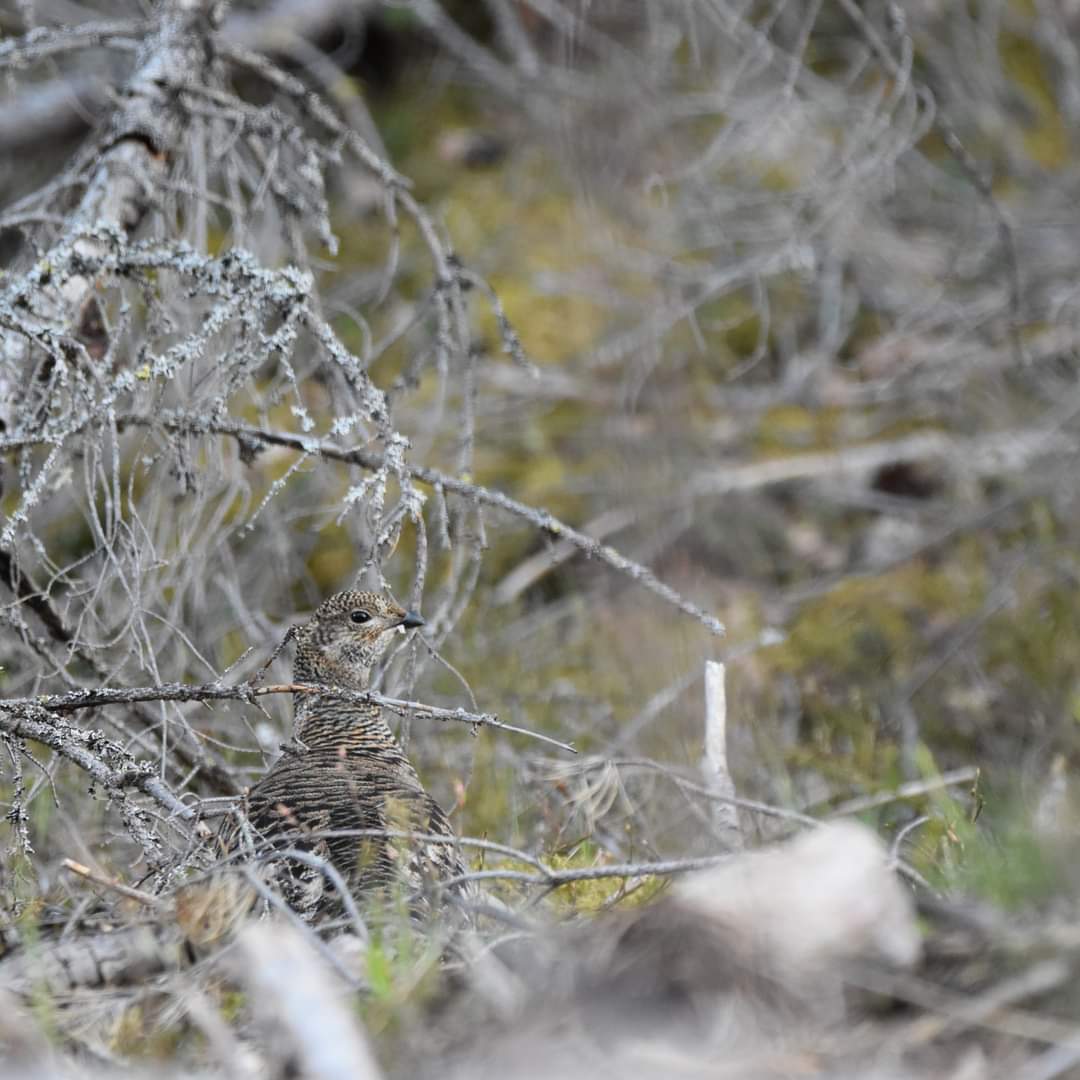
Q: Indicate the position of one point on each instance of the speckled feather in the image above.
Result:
(347, 771)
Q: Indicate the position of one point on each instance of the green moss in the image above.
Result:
(333, 558)
(1037, 638)
(731, 326)
(232, 1004)
(793, 426)
(231, 647)
(142, 1032)
(487, 809)
(850, 649)
(598, 894)
(842, 741)
(553, 327)
(841, 632)
(1046, 138)
(874, 625)
(772, 176)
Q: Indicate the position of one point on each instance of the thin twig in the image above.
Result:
(91, 751)
(553, 879)
(911, 790)
(144, 898)
(686, 784)
(537, 517)
(545, 875)
(292, 989)
(95, 698)
(903, 868)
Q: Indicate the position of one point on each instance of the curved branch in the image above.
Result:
(539, 518)
(108, 763)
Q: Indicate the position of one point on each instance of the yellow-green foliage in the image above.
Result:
(333, 557)
(584, 897)
(850, 650)
(487, 806)
(599, 894)
(546, 237)
(231, 1004)
(230, 648)
(788, 427)
(998, 859)
(735, 320)
(511, 223)
(140, 1032)
(402, 969)
(1046, 139)
(875, 626)
(1038, 638)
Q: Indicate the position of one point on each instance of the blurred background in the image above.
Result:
(779, 300)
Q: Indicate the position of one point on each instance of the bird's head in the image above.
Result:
(346, 636)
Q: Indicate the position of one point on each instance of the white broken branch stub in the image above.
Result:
(725, 814)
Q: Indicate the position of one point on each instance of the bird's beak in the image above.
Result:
(412, 620)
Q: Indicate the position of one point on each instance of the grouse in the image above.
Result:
(345, 773)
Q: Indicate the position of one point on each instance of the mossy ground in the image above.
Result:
(978, 637)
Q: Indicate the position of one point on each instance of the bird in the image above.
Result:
(345, 771)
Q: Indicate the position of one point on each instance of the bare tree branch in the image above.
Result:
(107, 763)
(443, 482)
(101, 696)
(62, 109)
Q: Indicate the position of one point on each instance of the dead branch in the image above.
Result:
(131, 954)
(715, 762)
(545, 875)
(144, 898)
(193, 755)
(913, 789)
(293, 992)
(988, 455)
(59, 110)
(107, 763)
(525, 575)
(442, 482)
(141, 137)
(101, 696)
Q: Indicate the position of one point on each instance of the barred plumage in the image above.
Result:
(347, 772)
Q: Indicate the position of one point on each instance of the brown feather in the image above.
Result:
(348, 772)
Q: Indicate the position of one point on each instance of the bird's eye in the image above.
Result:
(360, 616)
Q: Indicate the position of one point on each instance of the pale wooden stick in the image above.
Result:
(725, 815)
(138, 895)
(294, 991)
